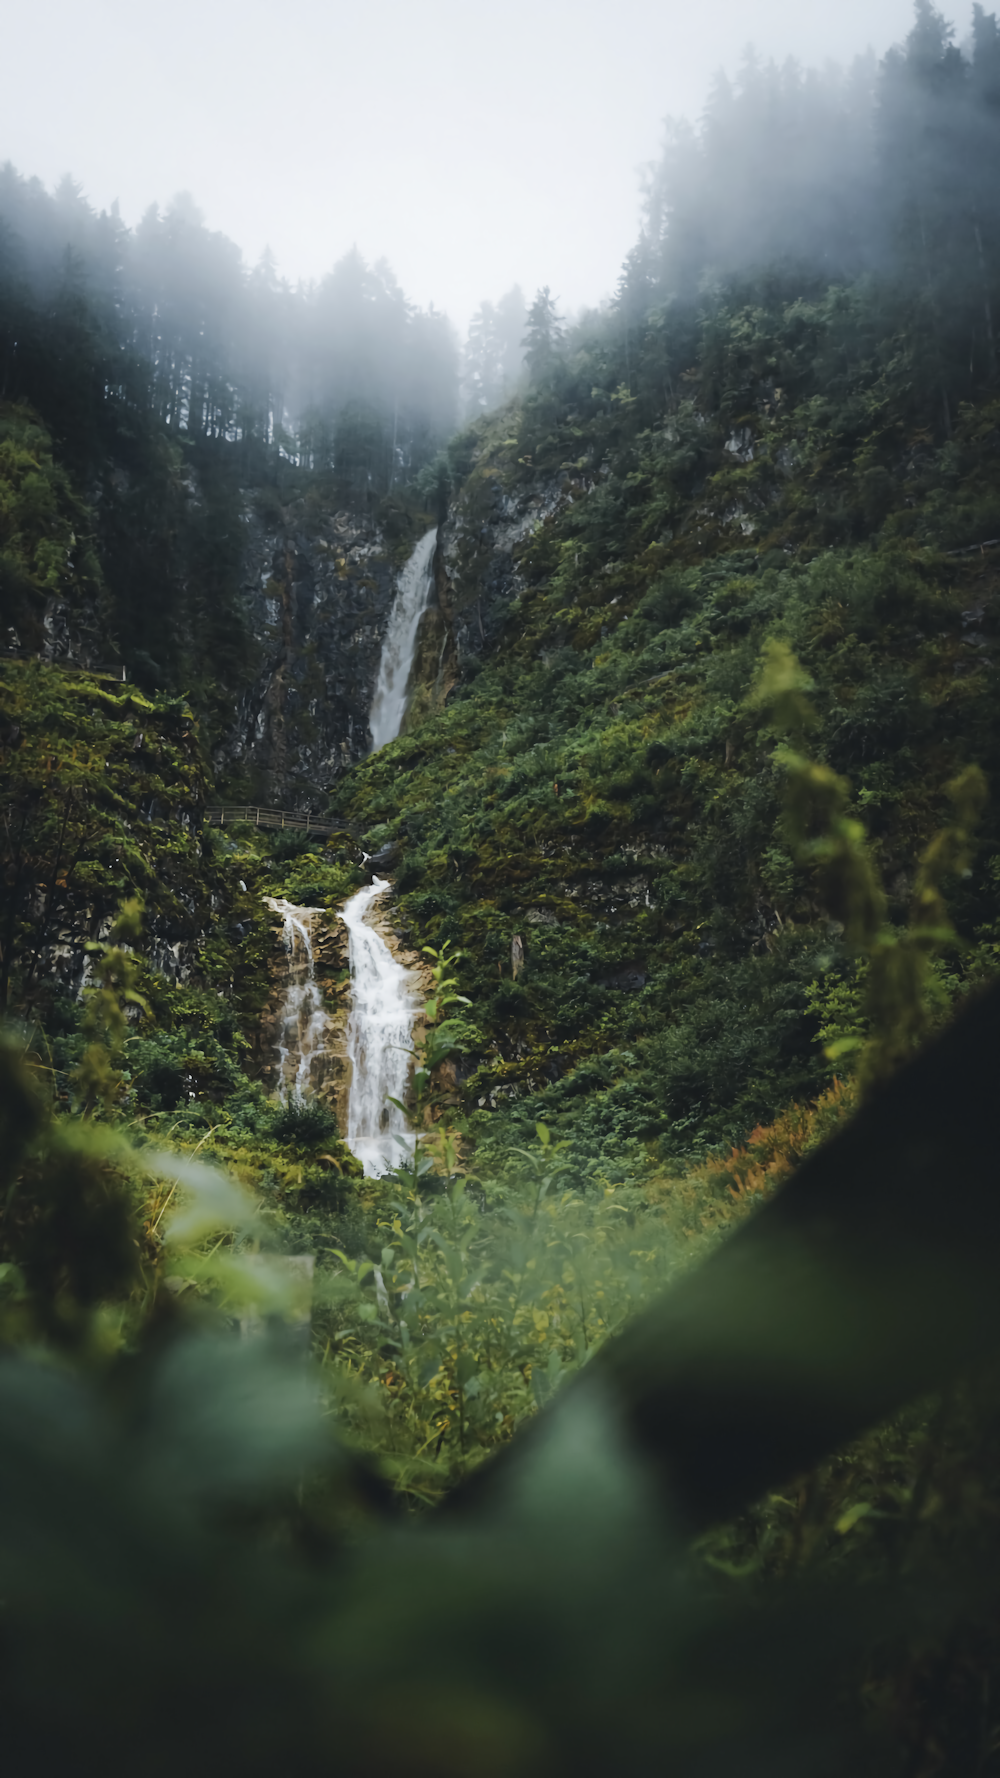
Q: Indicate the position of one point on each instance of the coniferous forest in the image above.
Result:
(644, 1414)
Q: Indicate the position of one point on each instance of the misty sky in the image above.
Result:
(471, 144)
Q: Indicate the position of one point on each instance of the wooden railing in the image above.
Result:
(972, 549)
(226, 815)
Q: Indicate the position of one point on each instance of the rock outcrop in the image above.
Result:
(477, 570)
(318, 587)
(476, 579)
(317, 591)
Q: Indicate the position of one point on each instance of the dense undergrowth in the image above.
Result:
(599, 788)
(446, 1311)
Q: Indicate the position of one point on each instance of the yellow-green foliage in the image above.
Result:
(899, 981)
(468, 1318)
(106, 1000)
(101, 788)
(729, 1185)
(46, 548)
(102, 791)
(101, 1229)
(312, 880)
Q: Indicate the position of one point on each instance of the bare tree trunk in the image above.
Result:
(991, 346)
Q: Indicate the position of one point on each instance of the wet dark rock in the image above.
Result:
(385, 857)
(627, 980)
(317, 602)
(478, 573)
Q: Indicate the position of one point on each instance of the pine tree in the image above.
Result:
(544, 337)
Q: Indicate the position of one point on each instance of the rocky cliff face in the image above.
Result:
(318, 586)
(478, 575)
(477, 578)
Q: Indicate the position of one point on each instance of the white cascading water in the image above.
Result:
(302, 1022)
(391, 687)
(379, 1035)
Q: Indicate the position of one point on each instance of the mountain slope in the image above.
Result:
(597, 797)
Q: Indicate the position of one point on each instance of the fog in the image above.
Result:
(473, 147)
(815, 175)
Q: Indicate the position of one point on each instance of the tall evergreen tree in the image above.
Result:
(544, 337)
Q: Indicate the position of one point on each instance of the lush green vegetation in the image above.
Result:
(731, 455)
(124, 1263)
(692, 814)
(603, 787)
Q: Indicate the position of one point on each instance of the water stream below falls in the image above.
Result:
(379, 1036)
(302, 1021)
(391, 688)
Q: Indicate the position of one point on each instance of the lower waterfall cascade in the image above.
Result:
(390, 699)
(379, 1038)
(302, 1021)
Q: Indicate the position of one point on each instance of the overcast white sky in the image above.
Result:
(470, 142)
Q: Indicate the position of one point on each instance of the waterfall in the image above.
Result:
(302, 1022)
(390, 700)
(379, 1035)
(380, 1024)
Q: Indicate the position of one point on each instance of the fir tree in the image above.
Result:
(544, 337)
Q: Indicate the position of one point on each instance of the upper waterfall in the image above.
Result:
(390, 699)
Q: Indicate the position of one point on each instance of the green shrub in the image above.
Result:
(303, 1123)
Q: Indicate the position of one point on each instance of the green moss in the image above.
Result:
(47, 546)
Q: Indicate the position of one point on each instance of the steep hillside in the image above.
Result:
(594, 815)
(317, 584)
